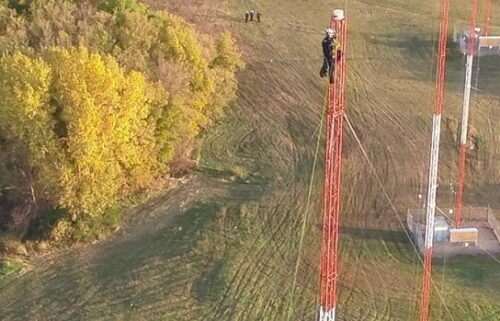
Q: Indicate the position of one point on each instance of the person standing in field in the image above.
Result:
(251, 15)
(247, 15)
(258, 16)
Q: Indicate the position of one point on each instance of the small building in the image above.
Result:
(441, 229)
(416, 224)
(464, 235)
(478, 234)
(485, 45)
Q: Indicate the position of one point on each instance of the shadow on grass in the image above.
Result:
(184, 256)
(390, 244)
(374, 234)
(475, 272)
(419, 53)
(174, 240)
(210, 286)
(486, 194)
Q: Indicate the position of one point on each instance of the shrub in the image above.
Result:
(10, 266)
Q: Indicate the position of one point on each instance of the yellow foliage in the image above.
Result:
(12, 32)
(26, 113)
(100, 121)
(228, 54)
(62, 231)
(106, 150)
(112, 150)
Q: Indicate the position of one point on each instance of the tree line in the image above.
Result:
(98, 96)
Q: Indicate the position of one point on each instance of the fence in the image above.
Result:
(415, 219)
(474, 214)
(468, 214)
(494, 222)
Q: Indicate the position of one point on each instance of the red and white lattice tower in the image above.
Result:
(471, 51)
(487, 17)
(333, 167)
(434, 161)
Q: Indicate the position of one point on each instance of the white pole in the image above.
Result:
(477, 67)
(432, 188)
(466, 104)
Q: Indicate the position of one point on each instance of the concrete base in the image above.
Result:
(326, 315)
(487, 243)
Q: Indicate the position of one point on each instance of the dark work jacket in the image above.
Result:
(329, 46)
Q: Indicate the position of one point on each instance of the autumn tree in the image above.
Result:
(86, 124)
(26, 115)
(100, 95)
(223, 70)
(12, 30)
(103, 112)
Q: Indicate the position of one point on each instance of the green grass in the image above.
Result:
(482, 272)
(8, 267)
(222, 249)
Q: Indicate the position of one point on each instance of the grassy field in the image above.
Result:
(223, 245)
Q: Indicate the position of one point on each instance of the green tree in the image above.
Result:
(121, 5)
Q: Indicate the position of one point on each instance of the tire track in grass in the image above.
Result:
(267, 131)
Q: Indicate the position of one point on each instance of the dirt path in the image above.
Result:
(218, 249)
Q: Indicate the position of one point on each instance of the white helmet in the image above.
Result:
(330, 32)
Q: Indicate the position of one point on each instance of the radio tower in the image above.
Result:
(333, 167)
(434, 160)
(459, 200)
(487, 18)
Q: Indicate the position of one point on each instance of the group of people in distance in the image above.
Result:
(250, 14)
(331, 47)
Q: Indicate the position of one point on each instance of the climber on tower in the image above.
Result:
(331, 48)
